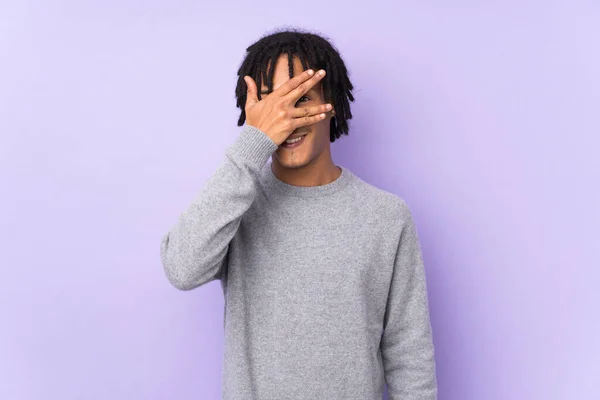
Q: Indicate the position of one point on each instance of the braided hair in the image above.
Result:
(314, 51)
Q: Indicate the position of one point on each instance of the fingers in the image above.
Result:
(293, 83)
(300, 112)
(252, 92)
(302, 88)
(308, 120)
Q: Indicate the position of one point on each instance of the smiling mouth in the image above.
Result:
(294, 142)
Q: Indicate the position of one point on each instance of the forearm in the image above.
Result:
(194, 251)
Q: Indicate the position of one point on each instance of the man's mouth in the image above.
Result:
(294, 142)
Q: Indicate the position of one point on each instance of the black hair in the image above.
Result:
(314, 51)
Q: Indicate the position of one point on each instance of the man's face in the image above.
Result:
(316, 142)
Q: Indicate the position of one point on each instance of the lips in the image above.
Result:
(296, 143)
(296, 136)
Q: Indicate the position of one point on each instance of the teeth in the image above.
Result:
(290, 141)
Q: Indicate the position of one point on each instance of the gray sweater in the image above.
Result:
(324, 286)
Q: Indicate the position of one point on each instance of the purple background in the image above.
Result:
(484, 117)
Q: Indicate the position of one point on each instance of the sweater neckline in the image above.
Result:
(272, 182)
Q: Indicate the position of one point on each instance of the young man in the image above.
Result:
(322, 273)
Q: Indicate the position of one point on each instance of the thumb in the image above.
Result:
(251, 94)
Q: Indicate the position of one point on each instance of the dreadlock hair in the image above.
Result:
(314, 51)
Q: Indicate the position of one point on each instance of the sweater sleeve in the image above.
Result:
(407, 345)
(194, 251)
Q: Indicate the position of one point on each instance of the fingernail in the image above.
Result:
(328, 107)
(322, 72)
(310, 72)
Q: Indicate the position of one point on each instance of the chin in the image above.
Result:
(293, 161)
(300, 157)
(287, 163)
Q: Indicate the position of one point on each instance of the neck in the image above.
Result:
(316, 173)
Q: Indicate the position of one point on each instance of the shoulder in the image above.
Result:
(381, 203)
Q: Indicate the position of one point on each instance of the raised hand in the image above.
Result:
(277, 115)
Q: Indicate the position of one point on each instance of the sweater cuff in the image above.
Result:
(253, 146)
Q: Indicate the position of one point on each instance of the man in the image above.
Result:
(322, 273)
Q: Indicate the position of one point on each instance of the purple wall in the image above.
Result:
(483, 116)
